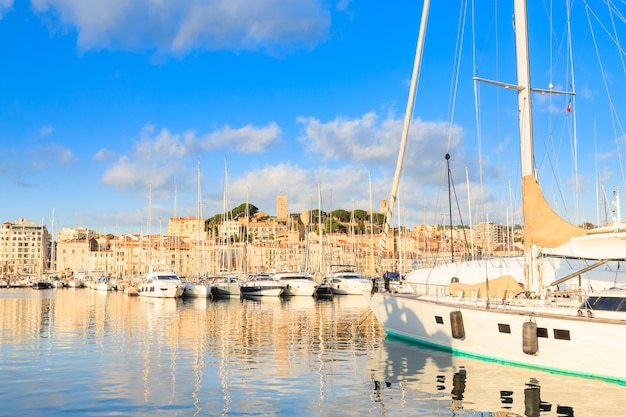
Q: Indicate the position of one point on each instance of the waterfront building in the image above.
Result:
(73, 254)
(259, 243)
(24, 248)
(185, 227)
(490, 235)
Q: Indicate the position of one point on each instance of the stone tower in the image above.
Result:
(281, 207)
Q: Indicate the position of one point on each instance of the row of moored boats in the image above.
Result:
(162, 282)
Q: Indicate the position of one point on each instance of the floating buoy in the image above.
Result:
(456, 323)
(529, 335)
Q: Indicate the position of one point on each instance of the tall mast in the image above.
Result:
(523, 83)
(405, 130)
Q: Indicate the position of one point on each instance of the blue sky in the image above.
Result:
(99, 101)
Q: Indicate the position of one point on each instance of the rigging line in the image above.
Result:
(575, 129)
(454, 83)
(458, 208)
(477, 105)
(595, 161)
(608, 93)
(456, 73)
(621, 56)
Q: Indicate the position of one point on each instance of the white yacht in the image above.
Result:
(197, 289)
(161, 282)
(103, 284)
(296, 283)
(78, 279)
(226, 287)
(262, 285)
(345, 280)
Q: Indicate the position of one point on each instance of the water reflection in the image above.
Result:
(83, 352)
(462, 384)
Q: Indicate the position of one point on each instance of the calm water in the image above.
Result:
(88, 353)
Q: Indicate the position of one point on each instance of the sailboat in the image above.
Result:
(227, 284)
(198, 288)
(499, 319)
(160, 281)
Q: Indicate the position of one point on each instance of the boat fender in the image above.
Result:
(456, 324)
(530, 342)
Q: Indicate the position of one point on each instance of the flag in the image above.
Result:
(569, 107)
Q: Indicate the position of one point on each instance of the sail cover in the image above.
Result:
(542, 226)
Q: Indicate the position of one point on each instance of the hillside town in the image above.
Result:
(247, 241)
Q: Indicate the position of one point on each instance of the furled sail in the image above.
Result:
(542, 226)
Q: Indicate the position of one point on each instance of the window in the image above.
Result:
(439, 319)
(561, 334)
(607, 303)
(542, 332)
(504, 328)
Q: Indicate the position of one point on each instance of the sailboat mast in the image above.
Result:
(523, 83)
(372, 268)
(405, 129)
(450, 207)
(319, 228)
(199, 228)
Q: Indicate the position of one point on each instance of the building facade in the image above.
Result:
(24, 248)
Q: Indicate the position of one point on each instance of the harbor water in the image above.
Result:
(81, 352)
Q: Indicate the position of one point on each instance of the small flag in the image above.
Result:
(569, 107)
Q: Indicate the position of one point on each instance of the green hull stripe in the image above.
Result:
(458, 352)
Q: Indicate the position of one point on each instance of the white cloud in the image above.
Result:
(248, 139)
(103, 155)
(53, 154)
(372, 141)
(300, 185)
(160, 156)
(178, 26)
(45, 131)
(5, 6)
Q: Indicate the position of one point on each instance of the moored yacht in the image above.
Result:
(225, 287)
(161, 282)
(77, 280)
(103, 284)
(197, 289)
(296, 283)
(262, 285)
(345, 280)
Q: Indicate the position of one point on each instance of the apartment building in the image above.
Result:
(24, 248)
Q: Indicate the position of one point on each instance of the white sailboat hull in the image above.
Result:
(299, 287)
(103, 286)
(296, 283)
(258, 291)
(570, 344)
(226, 289)
(75, 283)
(194, 289)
